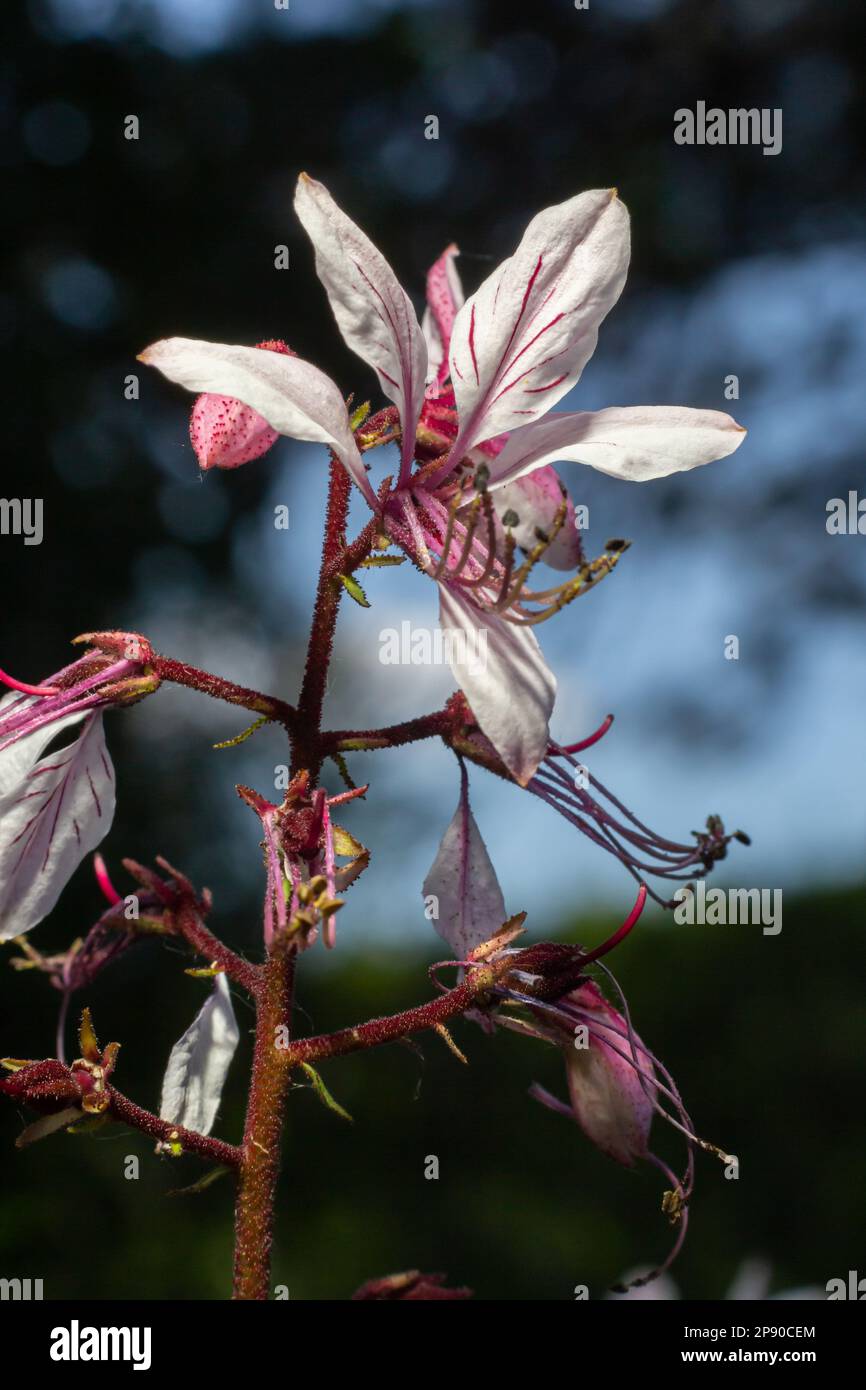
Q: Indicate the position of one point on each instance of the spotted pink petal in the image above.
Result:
(444, 298)
(292, 396)
(226, 433)
(522, 340)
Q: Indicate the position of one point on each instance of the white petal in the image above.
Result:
(502, 672)
(522, 340)
(293, 396)
(373, 311)
(632, 442)
(471, 908)
(52, 813)
(199, 1062)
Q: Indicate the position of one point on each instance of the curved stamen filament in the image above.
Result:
(25, 689)
(449, 534)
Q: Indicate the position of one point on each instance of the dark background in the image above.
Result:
(741, 263)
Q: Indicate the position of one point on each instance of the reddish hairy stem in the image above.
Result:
(193, 930)
(410, 731)
(121, 1108)
(305, 750)
(384, 1030)
(260, 1161)
(180, 673)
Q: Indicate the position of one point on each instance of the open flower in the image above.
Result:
(56, 808)
(491, 367)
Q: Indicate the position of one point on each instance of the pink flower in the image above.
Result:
(226, 433)
(472, 400)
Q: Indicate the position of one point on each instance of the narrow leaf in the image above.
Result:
(354, 590)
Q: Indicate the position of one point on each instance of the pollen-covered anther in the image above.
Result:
(562, 594)
(673, 1205)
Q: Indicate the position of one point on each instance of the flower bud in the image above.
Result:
(412, 1286)
(226, 433)
(47, 1085)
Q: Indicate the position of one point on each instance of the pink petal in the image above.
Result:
(632, 442)
(502, 672)
(522, 340)
(225, 433)
(444, 298)
(535, 499)
(463, 880)
(607, 1096)
(292, 396)
(373, 311)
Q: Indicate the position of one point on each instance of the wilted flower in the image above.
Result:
(302, 844)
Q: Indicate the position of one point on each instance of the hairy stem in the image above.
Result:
(305, 739)
(393, 736)
(193, 930)
(121, 1108)
(260, 1162)
(384, 1030)
(180, 673)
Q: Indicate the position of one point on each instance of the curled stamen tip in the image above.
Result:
(25, 689)
(600, 732)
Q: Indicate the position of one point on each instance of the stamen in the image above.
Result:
(449, 534)
(507, 597)
(491, 561)
(589, 576)
(25, 689)
(588, 742)
(622, 931)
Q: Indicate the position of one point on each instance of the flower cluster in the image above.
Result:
(477, 506)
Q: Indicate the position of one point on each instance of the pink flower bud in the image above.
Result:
(47, 1086)
(226, 433)
(606, 1086)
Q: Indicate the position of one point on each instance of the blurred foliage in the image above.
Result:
(763, 1036)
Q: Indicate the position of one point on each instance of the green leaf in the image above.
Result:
(354, 590)
(324, 1094)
